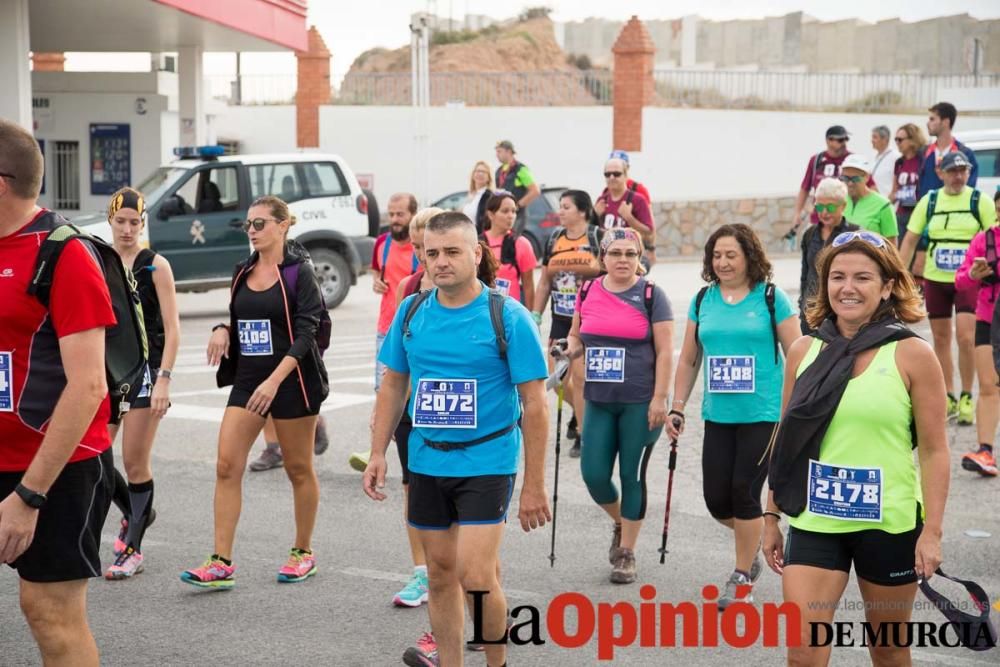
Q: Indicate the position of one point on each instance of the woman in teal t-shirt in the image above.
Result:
(733, 331)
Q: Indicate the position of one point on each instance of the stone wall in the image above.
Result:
(683, 227)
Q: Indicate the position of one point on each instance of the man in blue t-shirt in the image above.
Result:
(466, 441)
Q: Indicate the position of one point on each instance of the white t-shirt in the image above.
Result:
(882, 170)
(472, 205)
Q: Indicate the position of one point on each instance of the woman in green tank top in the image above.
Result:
(863, 502)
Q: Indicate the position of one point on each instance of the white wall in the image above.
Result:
(688, 153)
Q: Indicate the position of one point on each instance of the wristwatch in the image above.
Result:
(31, 498)
(163, 373)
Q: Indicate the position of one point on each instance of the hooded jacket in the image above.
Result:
(302, 317)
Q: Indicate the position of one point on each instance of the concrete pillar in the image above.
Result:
(633, 83)
(689, 41)
(15, 68)
(313, 89)
(191, 96)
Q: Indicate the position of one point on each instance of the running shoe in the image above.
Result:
(981, 462)
(213, 573)
(571, 429)
(359, 461)
(574, 451)
(738, 589)
(616, 541)
(120, 545)
(300, 566)
(127, 564)
(414, 593)
(424, 654)
(268, 459)
(966, 410)
(322, 441)
(756, 567)
(623, 567)
(952, 407)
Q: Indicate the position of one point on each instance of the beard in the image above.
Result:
(400, 234)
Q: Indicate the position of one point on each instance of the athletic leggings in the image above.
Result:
(619, 430)
(734, 467)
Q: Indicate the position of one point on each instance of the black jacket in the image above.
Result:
(303, 307)
(812, 245)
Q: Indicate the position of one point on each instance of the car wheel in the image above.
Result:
(334, 274)
(535, 245)
(374, 217)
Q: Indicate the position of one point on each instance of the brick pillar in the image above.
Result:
(633, 83)
(313, 89)
(48, 62)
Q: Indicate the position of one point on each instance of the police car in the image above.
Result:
(196, 206)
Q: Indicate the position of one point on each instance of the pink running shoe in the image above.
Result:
(128, 564)
(213, 573)
(300, 566)
(120, 545)
(424, 654)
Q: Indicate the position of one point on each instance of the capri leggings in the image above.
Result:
(619, 430)
(734, 467)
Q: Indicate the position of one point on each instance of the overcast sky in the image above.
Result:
(371, 23)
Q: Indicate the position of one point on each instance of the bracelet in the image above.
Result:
(536, 316)
(677, 413)
(220, 326)
(776, 515)
(681, 401)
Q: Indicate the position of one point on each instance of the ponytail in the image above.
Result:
(488, 266)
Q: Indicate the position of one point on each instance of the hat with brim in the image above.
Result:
(954, 160)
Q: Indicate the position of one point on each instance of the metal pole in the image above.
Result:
(414, 99)
(238, 84)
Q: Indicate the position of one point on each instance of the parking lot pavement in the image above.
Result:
(344, 615)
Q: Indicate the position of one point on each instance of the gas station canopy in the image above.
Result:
(167, 25)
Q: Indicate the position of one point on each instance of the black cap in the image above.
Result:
(837, 132)
(955, 160)
(975, 631)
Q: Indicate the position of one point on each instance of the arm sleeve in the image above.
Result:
(642, 212)
(977, 248)
(808, 178)
(987, 212)
(918, 219)
(79, 299)
(525, 357)
(782, 305)
(305, 317)
(524, 176)
(524, 254)
(974, 171)
(663, 311)
(393, 354)
(887, 221)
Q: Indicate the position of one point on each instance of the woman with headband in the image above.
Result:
(623, 328)
(737, 325)
(155, 285)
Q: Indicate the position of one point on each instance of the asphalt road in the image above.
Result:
(344, 615)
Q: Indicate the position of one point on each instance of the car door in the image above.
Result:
(202, 237)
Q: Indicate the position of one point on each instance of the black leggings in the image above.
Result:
(734, 468)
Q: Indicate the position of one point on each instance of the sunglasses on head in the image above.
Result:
(870, 238)
(257, 223)
(852, 179)
(613, 174)
(827, 208)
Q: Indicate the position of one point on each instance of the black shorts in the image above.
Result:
(882, 558)
(560, 327)
(287, 404)
(402, 437)
(982, 333)
(67, 542)
(438, 502)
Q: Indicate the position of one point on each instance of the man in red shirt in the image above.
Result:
(55, 460)
(393, 261)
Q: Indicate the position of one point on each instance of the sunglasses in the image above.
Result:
(852, 179)
(613, 174)
(257, 223)
(900, 140)
(870, 238)
(827, 208)
(618, 254)
(839, 140)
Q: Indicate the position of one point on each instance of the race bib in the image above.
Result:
(255, 338)
(6, 382)
(949, 259)
(147, 384)
(564, 303)
(732, 374)
(445, 403)
(503, 286)
(851, 494)
(605, 364)
(906, 195)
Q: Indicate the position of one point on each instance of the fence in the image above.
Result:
(255, 88)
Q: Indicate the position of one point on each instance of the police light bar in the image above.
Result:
(199, 151)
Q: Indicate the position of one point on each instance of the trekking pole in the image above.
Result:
(555, 485)
(671, 466)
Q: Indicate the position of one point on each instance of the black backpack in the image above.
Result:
(152, 318)
(126, 350)
(768, 299)
(932, 198)
(496, 317)
(508, 251)
(291, 275)
(593, 241)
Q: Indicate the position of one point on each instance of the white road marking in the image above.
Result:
(224, 391)
(211, 414)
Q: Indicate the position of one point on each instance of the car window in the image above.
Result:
(210, 190)
(553, 197)
(161, 180)
(324, 179)
(538, 207)
(989, 162)
(280, 180)
(453, 202)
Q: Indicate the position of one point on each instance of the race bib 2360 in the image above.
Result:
(445, 403)
(255, 338)
(605, 364)
(6, 382)
(842, 492)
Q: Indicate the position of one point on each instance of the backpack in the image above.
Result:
(152, 318)
(592, 240)
(508, 252)
(496, 317)
(291, 275)
(973, 207)
(385, 258)
(647, 297)
(126, 350)
(991, 256)
(768, 299)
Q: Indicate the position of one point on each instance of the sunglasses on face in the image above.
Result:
(852, 179)
(257, 223)
(826, 208)
(868, 237)
(613, 174)
(900, 140)
(839, 140)
(618, 254)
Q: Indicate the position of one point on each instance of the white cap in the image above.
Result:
(857, 161)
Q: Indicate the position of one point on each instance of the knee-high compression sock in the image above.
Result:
(141, 496)
(120, 496)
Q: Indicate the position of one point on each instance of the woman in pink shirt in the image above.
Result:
(980, 270)
(515, 277)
